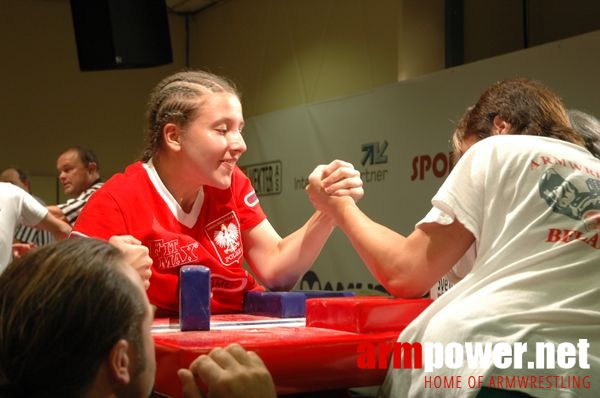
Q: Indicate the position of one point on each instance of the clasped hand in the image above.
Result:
(334, 184)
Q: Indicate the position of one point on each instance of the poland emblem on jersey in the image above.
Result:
(224, 235)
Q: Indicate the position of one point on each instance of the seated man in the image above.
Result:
(76, 322)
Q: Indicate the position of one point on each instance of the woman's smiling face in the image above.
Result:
(212, 143)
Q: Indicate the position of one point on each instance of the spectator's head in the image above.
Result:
(78, 169)
(16, 176)
(589, 129)
(74, 319)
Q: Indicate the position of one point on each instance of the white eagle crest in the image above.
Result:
(228, 237)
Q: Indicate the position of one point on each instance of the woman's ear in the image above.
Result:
(500, 126)
(119, 362)
(172, 136)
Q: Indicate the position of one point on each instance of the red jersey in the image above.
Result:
(137, 203)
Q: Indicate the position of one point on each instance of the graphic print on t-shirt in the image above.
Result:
(224, 235)
(566, 198)
(172, 253)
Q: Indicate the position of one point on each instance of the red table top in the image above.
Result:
(300, 358)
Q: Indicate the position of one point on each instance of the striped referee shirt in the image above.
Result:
(72, 207)
(38, 237)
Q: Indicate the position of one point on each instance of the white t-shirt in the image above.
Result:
(16, 207)
(535, 277)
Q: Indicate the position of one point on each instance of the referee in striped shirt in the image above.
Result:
(79, 173)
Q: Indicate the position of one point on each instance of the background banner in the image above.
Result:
(398, 137)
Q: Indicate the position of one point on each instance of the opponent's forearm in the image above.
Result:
(383, 251)
(58, 228)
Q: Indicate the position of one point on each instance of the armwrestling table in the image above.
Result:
(313, 353)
